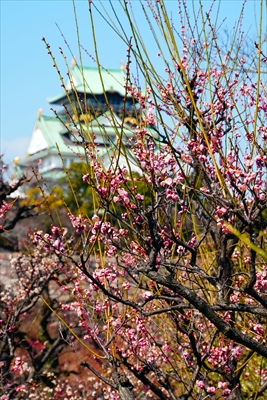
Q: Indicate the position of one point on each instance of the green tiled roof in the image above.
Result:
(88, 79)
(52, 129)
(53, 175)
(49, 130)
(48, 136)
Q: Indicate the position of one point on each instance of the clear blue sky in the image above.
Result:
(27, 75)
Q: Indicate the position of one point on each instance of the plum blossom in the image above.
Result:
(200, 384)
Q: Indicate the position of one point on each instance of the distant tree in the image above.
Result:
(11, 211)
(78, 196)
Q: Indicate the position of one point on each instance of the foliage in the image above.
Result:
(168, 295)
(51, 200)
(11, 211)
(79, 196)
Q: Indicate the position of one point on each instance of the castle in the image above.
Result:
(85, 115)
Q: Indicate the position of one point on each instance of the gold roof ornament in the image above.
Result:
(122, 67)
(133, 121)
(39, 113)
(73, 62)
(16, 161)
(86, 117)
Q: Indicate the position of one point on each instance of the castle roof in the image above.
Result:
(94, 81)
(52, 135)
(46, 134)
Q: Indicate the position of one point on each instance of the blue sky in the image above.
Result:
(27, 75)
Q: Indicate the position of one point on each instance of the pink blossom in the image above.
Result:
(211, 389)
(140, 197)
(167, 182)
(200, 384)
(222, 385)
(86, 177)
